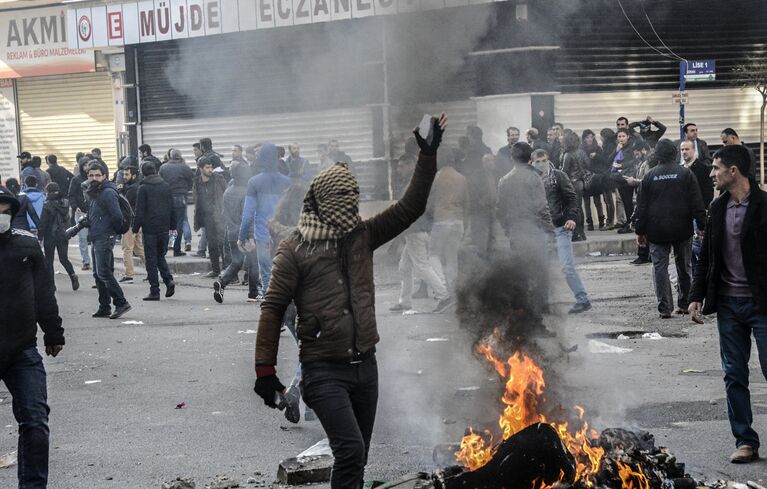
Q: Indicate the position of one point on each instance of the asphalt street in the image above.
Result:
(115, 388)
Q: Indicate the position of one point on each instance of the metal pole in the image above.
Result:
(682, 72)
(386, 109)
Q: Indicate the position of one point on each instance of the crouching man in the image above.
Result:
(26, 300)
(326, 266)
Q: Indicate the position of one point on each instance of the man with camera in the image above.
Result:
(103, 221)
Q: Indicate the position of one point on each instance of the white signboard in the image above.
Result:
(9, 165)
(33, 42)
(159, 20)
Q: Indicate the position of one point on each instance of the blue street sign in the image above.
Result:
(701, 71)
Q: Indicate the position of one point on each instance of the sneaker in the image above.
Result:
(87, 266)
(400, 308)
(625, 230)
(212, 274)
(75, 282)
(102, 313)
(640, 261)
(443, 305)
(126, 280)
(188, 247)
(745, 454)
(152, 297)
(601, 226)
(218, 292)
(120, 310)
(170, 289)
(179, 253)
(590, 227)
(252, 299)
(580, 237)
(580, 307)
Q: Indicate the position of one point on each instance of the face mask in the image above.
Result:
(542, 167)
(5, 223)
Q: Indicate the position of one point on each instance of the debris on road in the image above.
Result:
(179, 483)
(595, 253)
(306, 470)
(8, 460)
(599, 347)
(88, 382)
(247, 331)
(223, 483)
(133, 322)
(181, 405)
(436, 340)
(693, 371)
(652, 336)
(322, 447)
(409, 312)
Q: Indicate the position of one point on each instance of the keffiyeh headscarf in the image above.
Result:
(331, 205)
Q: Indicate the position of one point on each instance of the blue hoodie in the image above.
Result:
(37, 199)
(263, 194)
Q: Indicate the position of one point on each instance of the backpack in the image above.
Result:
(127, 212)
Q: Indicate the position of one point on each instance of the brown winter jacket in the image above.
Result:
(332, 283)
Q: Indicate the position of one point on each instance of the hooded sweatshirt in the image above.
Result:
(54, 219)
(263, 194)
(37, 199)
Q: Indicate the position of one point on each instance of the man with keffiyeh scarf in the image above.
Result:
(326, 266)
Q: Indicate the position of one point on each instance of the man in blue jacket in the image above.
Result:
(263, 194)
(104, 219)
(26, 300)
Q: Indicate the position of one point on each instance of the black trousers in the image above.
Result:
(242, 261)
(627, 196)
(155, 247)
(215, 236)
(62, 248)
(345, 398)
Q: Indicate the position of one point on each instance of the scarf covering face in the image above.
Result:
(331, 205)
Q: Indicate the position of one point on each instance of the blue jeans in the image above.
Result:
(24, 377)
(182, 222)
(82, 239)
(567, 263)
(264, 253)
(155, 247)
(345, 398)
(104, 273)
(737, 319)
(242, 261)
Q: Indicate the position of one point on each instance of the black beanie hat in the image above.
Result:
(665, 151)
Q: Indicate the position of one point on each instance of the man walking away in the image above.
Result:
(669, 201)
(105, 219)
(563, 204)
(731, 280)
(326, 266)
(26, 210)
(180, 179)
(53, 224)
(58, 174)
(131, 242)
(155, 216)
(26, 299)
(36, 199)
(209, 189)
(263, 193)
(234, 202)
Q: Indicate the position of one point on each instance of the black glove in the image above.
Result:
(430, 149)
(266, 387)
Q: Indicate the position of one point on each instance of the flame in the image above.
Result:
(522, 395)
(630, 478)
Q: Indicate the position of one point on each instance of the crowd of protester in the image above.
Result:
(268, 202)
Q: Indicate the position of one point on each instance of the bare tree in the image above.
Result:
(753, 74)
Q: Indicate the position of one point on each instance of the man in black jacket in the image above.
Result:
(155, 215)
(701, 148)
(731, 280)
(26, 299)
(209, 187)
(131, 241)
(145, 152)
(58, 174)
(76, 197)
(563, 205)
(179, 177)
(669, 200)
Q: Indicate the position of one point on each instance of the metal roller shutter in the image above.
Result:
(66, 114)
(712, 110)
(352, 127)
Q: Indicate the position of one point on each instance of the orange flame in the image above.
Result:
(630, 478)
(523, 392)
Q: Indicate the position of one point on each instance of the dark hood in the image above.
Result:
(152, 180)
(7, 196)
(268, 157)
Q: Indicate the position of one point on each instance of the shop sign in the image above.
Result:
(9, 142)
(161, 20)
(33, 42)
